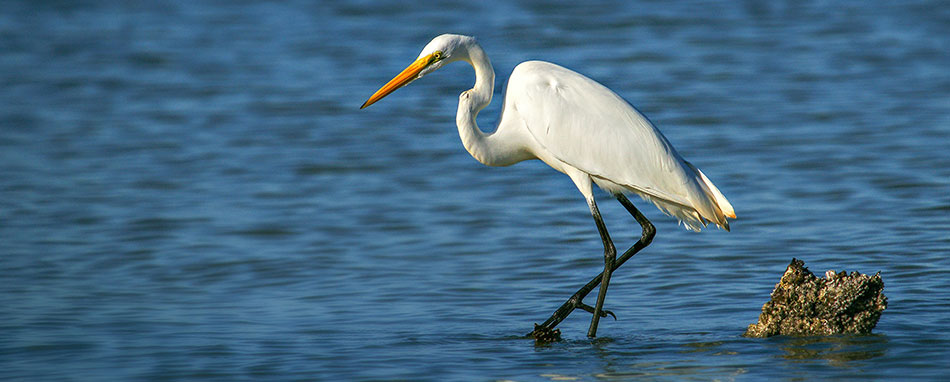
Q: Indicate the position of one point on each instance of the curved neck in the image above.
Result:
(490, 149)
(484, 77)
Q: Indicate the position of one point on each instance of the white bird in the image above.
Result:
(584, 130)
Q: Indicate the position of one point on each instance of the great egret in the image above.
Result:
(584, 130)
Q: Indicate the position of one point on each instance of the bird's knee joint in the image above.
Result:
(649, 231)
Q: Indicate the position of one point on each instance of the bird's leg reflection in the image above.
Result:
(576, 300)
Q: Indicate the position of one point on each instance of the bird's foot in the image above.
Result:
(545, 332)
(544, 335)
(590, 309)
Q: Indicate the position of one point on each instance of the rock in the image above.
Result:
(803, 304)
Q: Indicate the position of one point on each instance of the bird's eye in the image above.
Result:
(437, 55)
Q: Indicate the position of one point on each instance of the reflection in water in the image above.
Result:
(838, 350)
(674, 370)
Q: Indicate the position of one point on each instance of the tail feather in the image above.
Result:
(724, 204)
(694, 215)
(724, 208)
(690, 216)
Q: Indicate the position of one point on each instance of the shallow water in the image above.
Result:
(188, 191)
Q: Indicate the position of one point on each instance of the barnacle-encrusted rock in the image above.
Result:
(805, 305)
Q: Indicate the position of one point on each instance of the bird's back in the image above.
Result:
(587, 126)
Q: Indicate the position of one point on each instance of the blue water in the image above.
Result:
(188, 191)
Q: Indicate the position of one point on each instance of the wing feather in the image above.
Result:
(587, 126)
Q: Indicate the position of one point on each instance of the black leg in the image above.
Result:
(610, 255)
(575, 301)
(649, 231)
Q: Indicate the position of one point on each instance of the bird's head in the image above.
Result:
(438, 52)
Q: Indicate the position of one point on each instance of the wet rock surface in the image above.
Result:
(803, 304)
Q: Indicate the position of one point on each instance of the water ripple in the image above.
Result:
(189, 191)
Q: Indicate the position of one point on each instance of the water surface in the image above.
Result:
(189, 191)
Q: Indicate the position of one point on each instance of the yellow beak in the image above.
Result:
(407, 75)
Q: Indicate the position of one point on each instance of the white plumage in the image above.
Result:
(582, 124)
